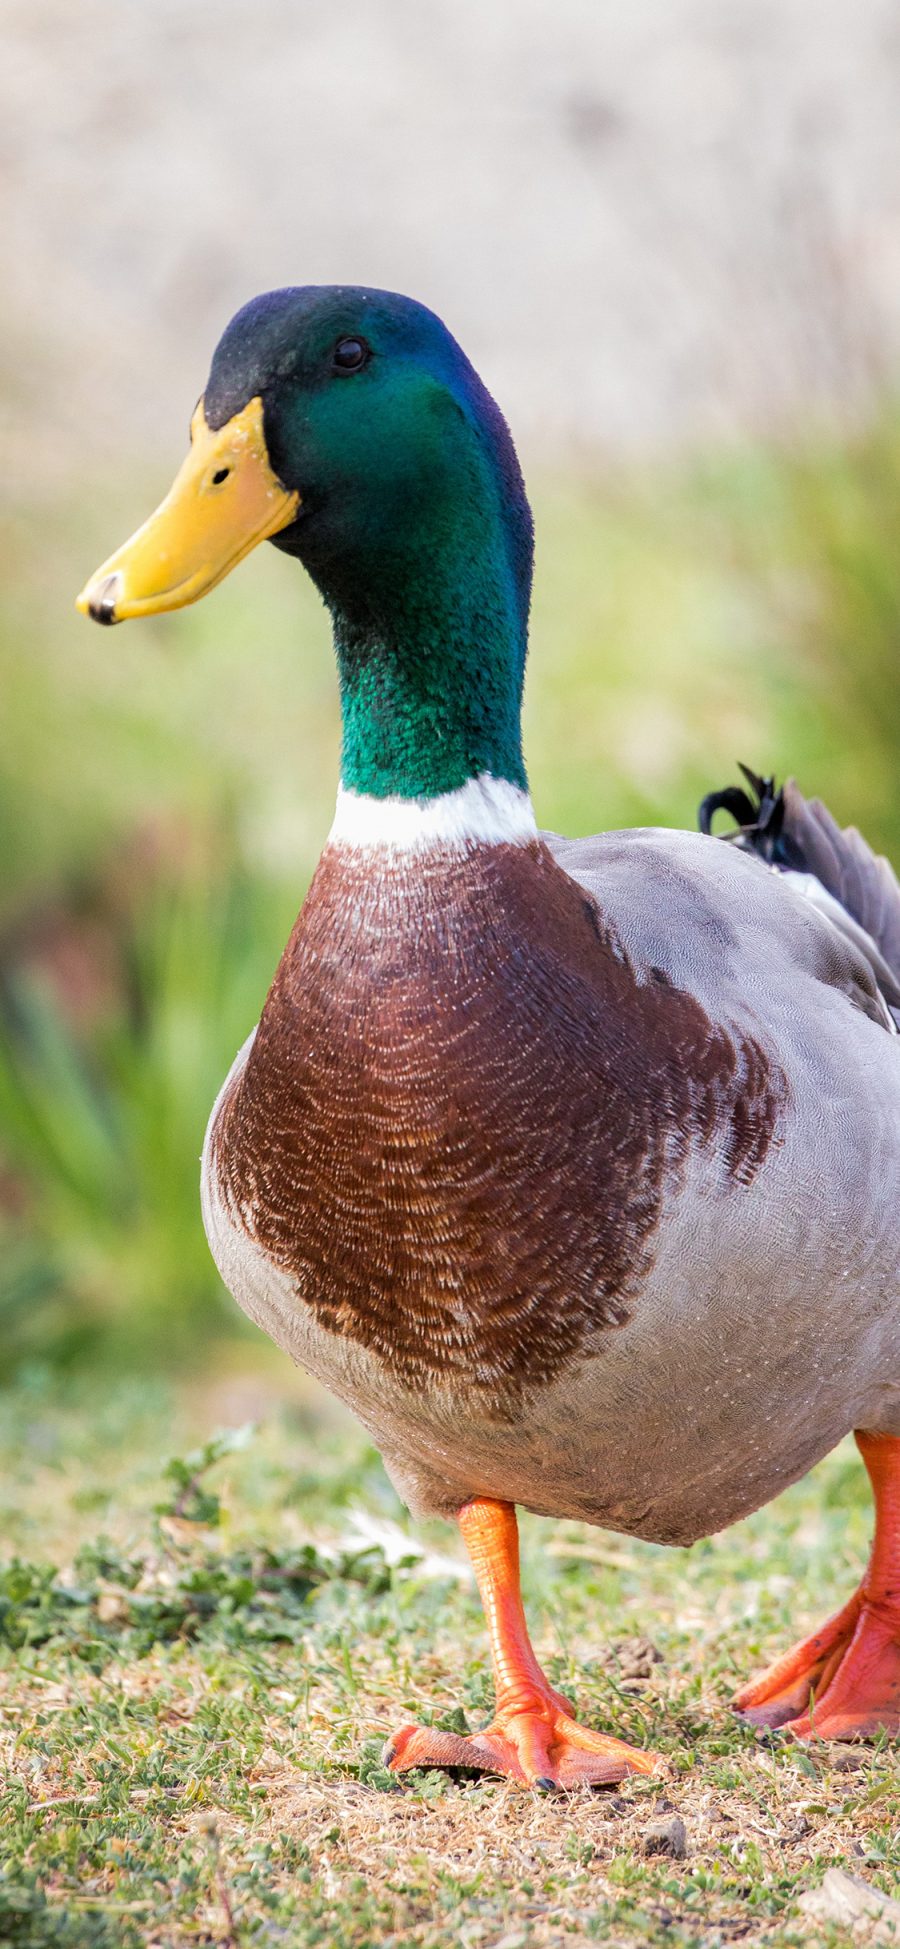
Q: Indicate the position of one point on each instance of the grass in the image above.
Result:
(201, 1658)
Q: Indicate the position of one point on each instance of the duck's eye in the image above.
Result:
(350, 354)
(220, 474)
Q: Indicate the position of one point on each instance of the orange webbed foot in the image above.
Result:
(537, 1741)
(843, 1682)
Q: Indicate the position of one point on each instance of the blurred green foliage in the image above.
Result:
(164, 791)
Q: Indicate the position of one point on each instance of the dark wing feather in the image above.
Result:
(798, 835)
(863, 881)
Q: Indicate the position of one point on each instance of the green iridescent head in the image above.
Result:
(347, 426)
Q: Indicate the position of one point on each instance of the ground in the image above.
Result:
(201, 1658)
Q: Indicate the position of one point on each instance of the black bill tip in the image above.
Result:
(102, 603)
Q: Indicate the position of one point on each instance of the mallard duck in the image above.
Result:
(570, 1164)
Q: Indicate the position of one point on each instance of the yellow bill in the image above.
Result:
(224, 500)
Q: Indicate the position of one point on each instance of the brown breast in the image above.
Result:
(464, 1109)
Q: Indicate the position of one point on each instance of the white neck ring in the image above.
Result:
(486, 811)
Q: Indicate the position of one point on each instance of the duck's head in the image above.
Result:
(347, 426)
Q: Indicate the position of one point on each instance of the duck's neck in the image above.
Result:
(431, 657)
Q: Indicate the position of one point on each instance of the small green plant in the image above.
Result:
(191, 1499)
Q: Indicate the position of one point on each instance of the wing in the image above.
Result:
(739, 933)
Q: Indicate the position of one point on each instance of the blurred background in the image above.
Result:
(669, 237)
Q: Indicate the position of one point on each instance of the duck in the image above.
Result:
(570, 1165)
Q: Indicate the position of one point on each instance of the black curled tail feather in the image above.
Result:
(799, 835)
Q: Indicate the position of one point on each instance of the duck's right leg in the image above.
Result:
(533, 1736)
(844, 1681)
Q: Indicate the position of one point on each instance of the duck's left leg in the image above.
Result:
(533, 1736)
(844, 1681)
